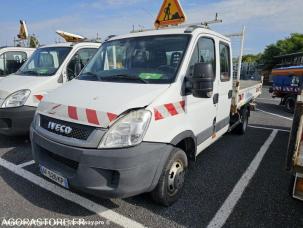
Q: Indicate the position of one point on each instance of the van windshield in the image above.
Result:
(150, 59)
(44, 61)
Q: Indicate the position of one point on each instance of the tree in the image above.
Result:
(251, 58)
(291, 44)
(33, 41)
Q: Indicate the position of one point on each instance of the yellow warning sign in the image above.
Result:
(171, 13)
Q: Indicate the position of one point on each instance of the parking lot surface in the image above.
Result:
(240, 181)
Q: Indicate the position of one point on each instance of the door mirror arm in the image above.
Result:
(186, 87)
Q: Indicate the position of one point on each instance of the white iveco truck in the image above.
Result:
(12, 58)
(145, 104)
(48, 68)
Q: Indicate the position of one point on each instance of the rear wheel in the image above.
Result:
(290, 104)
(242, 127)
(171, 182)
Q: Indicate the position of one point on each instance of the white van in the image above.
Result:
(48, 68)
(145, 104)
(12, 58)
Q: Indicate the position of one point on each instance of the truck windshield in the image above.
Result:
(44, 61)
(149, 59)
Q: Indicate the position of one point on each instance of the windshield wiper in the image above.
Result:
(90, 74)
(127, 77)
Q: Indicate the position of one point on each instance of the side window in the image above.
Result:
(2, 69)
(225, 70)
(207, 52)
(79, 61)
(204, 53)
(11, 61)
(194, 59)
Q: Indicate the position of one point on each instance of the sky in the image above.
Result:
(266, 21)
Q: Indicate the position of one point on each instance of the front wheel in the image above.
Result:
(171, 182)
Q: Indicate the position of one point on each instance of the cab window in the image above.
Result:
(79, 60)
(204, 53)
(11, 61)
(225, 71)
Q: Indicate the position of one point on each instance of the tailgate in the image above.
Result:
(245, 92)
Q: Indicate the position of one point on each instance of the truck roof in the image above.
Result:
(171, 31)
(16, 48)
(71, 44)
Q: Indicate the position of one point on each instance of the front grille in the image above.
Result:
(78, 131)
(70, 163)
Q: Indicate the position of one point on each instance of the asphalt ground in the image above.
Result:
(240, 181)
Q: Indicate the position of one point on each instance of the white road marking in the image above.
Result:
(273, 114)
(26, 164)
(70, 196)
(229, 204)
(268, 128)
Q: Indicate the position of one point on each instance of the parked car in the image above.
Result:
(12, 58)
(48, 68)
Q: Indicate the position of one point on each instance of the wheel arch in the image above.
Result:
(186, 141)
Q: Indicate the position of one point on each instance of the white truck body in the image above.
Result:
(33, 77)
(177, 119)
(12, 58)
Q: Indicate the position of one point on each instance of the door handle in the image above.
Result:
(216, 98)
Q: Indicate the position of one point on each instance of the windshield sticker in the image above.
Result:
(150, 76)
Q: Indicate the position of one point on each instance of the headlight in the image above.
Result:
(16, 99)
(127, 131)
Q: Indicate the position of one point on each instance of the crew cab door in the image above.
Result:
(224, 85)
(202, 111)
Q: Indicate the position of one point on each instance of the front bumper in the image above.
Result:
(16, 121)
(106, 173)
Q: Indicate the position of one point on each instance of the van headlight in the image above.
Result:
(16, 99)
(129, 130)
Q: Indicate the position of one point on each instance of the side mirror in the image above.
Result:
(203, 80)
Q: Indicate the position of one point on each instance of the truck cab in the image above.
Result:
(12, 58)
(49, 67)
(151, 102)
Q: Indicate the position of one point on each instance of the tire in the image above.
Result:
(171, 182)
(242, 127)
(290, 104)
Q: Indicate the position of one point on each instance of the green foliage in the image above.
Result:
(33, 41)
(251, 58)
(291, 44)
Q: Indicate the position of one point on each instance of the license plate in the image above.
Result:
(54, 176)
